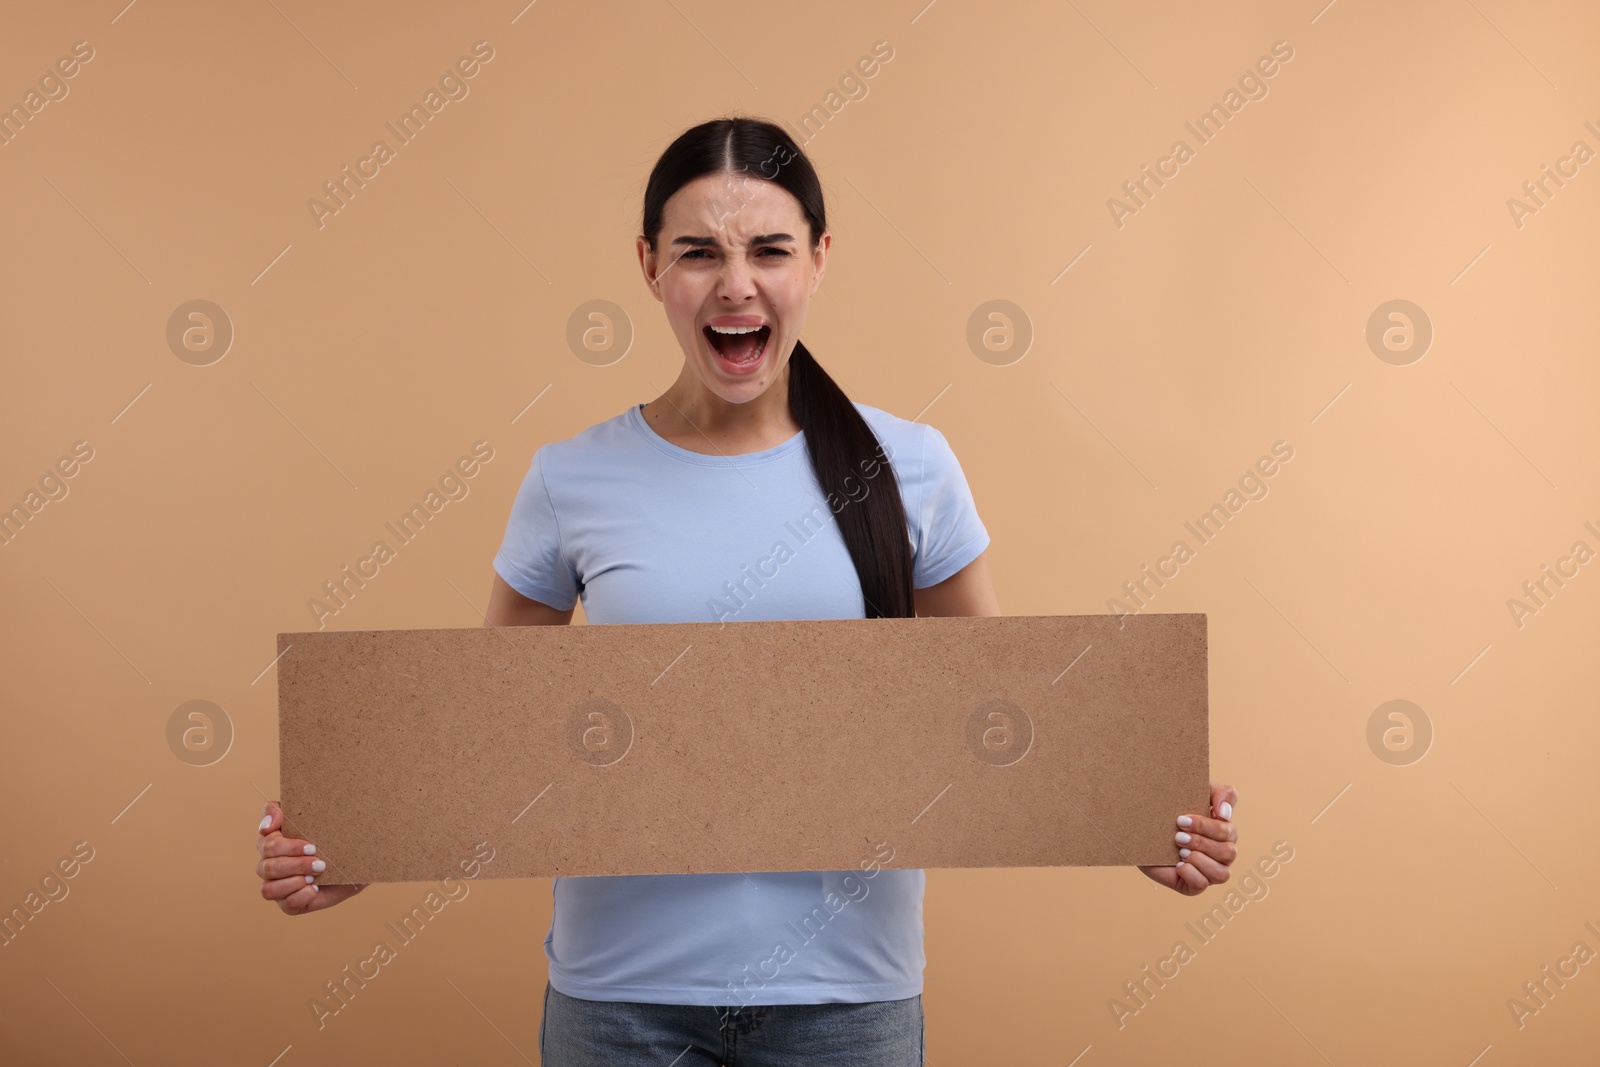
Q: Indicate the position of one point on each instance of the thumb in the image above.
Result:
(271, 817)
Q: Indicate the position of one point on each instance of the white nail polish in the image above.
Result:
(310, 850)
(1184, 853)
(309, 879)
(316, 889)
(266, 821)
(1184, 820)
(318, 866)
(1181, 837)
(1226, 811)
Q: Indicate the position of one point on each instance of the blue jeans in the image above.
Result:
(613, 1033)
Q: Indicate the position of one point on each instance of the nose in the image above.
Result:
(736, 283)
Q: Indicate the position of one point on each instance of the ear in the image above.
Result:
(647, 265)
(819, 259)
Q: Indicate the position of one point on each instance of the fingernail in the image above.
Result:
(1183, 852)
(266, 821)
(318, 866)
(1181, 837)
(310, 850)
(316, 888)
(1178, 865)
(310, 879)
(1226, 811)
(1184, 820)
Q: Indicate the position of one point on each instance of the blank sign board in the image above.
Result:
(678, 748)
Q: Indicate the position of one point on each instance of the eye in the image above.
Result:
(779, 251)
(695, 253)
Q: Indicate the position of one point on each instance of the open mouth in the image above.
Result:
(739, 346)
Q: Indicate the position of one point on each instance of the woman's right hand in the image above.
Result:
(288, 866)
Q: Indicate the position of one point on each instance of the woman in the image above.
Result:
(656, 515)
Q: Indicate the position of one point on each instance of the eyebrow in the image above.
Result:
(711, 242)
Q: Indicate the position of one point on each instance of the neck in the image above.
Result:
(688, 407)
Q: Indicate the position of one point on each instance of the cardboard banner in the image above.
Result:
(677, 748)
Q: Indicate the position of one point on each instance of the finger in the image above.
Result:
(271, 820)
(321, 897)
(1224, 798)
(1224, 852)
(271, 840)
(284, 888)
(1200, 826)
(303, 899)
(285, 866)
(278, 845)
(1214, 871)
(1190, 879)
(275, 844)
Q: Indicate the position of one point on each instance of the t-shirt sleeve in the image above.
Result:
(950, 534)
(531, 558)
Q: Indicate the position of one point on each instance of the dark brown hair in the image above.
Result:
(840, 443)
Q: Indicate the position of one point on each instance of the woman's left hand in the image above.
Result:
(1209, 849)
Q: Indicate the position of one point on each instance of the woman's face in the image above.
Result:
(734, 252)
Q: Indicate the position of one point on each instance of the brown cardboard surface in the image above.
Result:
(1015, 741)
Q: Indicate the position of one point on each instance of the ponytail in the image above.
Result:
(842, 445)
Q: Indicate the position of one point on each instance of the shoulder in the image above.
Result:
(603, 439)
(903, 439)
(917, 450)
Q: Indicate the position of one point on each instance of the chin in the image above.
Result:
(739, 392)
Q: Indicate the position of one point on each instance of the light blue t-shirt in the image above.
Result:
(648, 532)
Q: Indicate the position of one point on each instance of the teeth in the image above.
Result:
(734, 329)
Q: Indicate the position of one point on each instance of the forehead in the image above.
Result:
(732, 207)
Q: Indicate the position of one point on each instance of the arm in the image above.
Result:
(968, 591)
(507, 607)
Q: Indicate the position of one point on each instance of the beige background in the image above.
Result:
(1229, 313)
